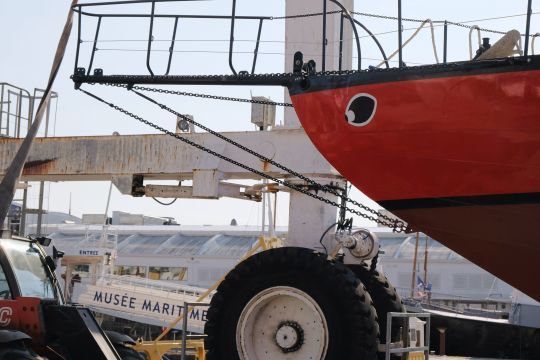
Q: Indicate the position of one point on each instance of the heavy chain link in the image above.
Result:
(206, 96)
(299, 16)
(377, 217)
(385, 17)
(260, 156)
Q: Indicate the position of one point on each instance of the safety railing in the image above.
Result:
(81, 9)
(189, 345)
(135, 282)
(389, 349)
(88, 74)
(185, 337)
(17, 110)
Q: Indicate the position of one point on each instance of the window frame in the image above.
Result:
(11, 277)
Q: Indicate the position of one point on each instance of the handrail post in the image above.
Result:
(150, 39)
(323, 62)
(256, 51)
(528, 28)
(79, 25)
(94, 47)
(231, 39)
(184, 329)
(388, 336)
(400, 35)
(356, 37)
(341, 41)
(1, 105)
(8, 112)
(445, 42)
(171, 48)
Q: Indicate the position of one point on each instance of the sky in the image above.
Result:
(31, 29)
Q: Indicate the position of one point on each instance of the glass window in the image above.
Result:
(167, 273)
(460, 281)
(130, 270)
(83, 270)
(29, 270)
(5, 293)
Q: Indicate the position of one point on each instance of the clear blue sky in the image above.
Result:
(30, 31)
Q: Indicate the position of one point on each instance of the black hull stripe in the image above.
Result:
(482, 200)
(469, 68)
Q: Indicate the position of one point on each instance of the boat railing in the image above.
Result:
(88, 10)
(159, 286)
(390, 348)
(104, 12)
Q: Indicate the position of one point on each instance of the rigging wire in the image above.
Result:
(246, 52)
(437, 23)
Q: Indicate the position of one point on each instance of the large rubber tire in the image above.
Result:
(385, 299)
(346, 306)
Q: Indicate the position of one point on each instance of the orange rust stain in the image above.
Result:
(265, 166)
(38, 167)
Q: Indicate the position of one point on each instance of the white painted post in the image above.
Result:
(309, 218)
(305, 35)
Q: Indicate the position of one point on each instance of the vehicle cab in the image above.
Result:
(26, 270)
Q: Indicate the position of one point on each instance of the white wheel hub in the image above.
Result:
(282, 322)
(288, 336)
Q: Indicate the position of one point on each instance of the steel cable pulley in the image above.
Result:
(395, 224)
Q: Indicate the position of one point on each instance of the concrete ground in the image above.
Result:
(439, 357)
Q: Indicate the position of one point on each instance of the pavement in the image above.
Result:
(439, 357)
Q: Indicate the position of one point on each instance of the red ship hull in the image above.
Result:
(453, 151)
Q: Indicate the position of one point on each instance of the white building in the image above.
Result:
(201, 255)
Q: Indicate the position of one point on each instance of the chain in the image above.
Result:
(304, 15)
(434, 21)
(261, 157)
(386, 18)
(480, 29)
(206, 96)
(395, 224)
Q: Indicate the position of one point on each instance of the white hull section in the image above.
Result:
(142, 300)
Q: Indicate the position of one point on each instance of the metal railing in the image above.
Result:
(135, 282)
(90, 10)
(185, 336)
(389, 349)
(151, 18)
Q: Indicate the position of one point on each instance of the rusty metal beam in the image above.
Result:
(162, 157)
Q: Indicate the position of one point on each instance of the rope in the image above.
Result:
(474, 27)
(532, 42)
(412, 37)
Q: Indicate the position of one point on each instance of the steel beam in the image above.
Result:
(162, 157)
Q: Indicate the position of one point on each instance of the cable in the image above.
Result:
(163, 203)
(323, 235)
(169, 203)
(246, 52)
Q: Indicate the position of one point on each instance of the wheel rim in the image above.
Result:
(282, 323)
